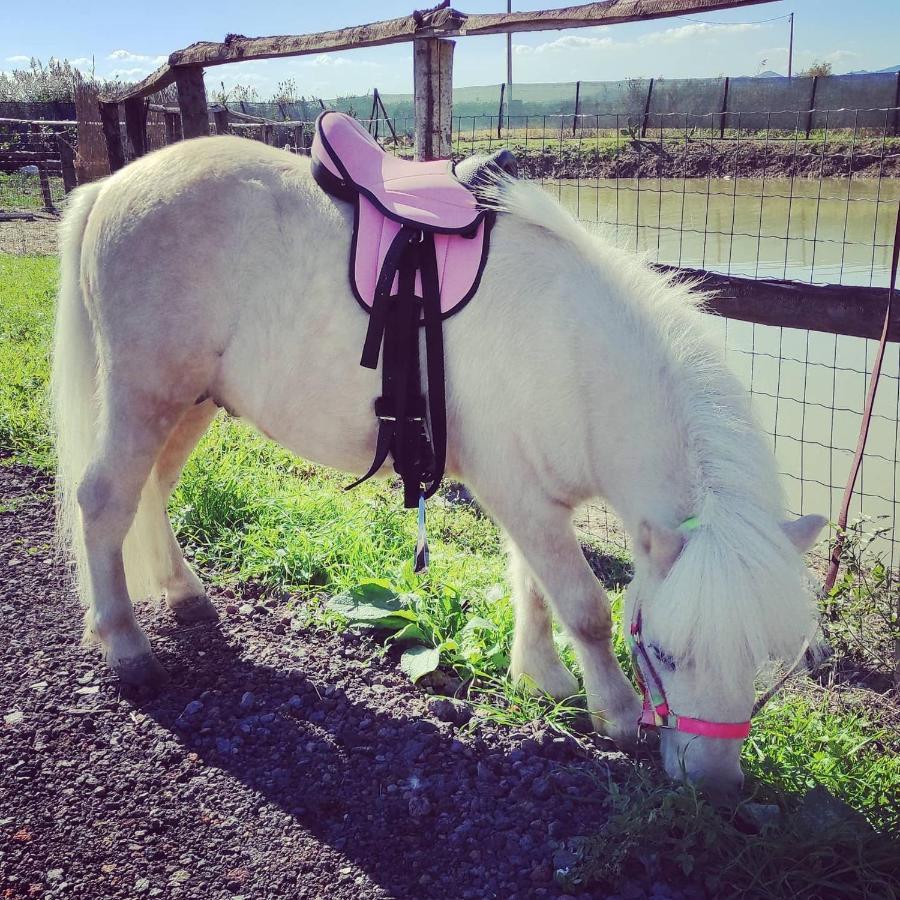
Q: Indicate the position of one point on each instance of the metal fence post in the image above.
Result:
(577, 99)
(724, 112)
(647, 110)
(812, 105)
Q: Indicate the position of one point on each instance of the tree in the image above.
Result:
(817, 70)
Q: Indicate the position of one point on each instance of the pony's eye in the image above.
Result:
(663, 658)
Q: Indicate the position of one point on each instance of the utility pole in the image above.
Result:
(508, 64)
(791, 49)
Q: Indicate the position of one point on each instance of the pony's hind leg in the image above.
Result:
(130, 436)
(534, 654)
(184, 591)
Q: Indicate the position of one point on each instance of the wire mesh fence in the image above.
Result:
(813, 205)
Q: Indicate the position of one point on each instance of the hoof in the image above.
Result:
(621, 727)
(193, 610)
(557, 682)
(142, 672)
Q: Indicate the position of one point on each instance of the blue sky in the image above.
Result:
(129, 40)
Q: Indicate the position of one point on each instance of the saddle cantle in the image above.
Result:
(420, 242)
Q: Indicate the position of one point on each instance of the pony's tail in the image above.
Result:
(73, 382)
(75, 399)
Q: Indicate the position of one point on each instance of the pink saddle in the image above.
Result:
(390, 193)
(418, 249)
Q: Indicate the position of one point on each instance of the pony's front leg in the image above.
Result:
(534, 654)
(542, 530)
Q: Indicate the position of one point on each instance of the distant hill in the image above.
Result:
(888, 71)
(769, 74)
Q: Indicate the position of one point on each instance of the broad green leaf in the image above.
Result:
(411, 632)
(371, 602)
(478, 622)
(419, 661)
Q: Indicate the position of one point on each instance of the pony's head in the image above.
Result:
(709, 605)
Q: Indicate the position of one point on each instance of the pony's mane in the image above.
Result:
(738, 594)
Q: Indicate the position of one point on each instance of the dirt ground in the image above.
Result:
(278, 763)
(35, 236)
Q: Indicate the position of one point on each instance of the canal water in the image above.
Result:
(808, 388)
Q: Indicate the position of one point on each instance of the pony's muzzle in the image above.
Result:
(712, 765)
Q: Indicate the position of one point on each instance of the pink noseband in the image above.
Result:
(656, 712)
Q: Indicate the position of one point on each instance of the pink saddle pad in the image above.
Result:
(390, 193)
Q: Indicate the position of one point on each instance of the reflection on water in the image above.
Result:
(808, 388)
(837, 230)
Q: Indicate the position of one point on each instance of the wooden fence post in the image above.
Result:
(433, 79)
(45, 186)
(724, 113)
(67, 163)
(812, 105)
(646, 118)
(221, 119)
(192, 102)
(136, 125)
(500, 110)
(109, 119)
(173, 127)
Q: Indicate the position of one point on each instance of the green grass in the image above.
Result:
(247, 510)
(27, 289)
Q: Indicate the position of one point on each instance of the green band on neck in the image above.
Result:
(690, 524)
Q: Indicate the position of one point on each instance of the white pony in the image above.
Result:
(213, 273)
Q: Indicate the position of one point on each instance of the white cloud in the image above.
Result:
(128, 56)
(839, 56)
(330, 60)
(18, 59)
(127, 74)
(568, 42)
(695, 31)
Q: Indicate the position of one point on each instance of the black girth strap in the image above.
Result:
(416, 439)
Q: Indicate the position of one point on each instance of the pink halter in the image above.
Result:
(656, 712)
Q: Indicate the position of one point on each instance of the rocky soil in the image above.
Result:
(278, 763)
(726, 159)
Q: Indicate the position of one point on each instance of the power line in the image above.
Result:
(757, 22)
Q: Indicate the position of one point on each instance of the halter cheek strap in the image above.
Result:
(656, 712)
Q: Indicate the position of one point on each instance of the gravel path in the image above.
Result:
(279, 763)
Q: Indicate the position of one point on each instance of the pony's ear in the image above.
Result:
(662, 546)
(803, 532)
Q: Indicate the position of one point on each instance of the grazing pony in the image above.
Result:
(213, 273)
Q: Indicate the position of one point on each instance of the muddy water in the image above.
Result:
(808, 387)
